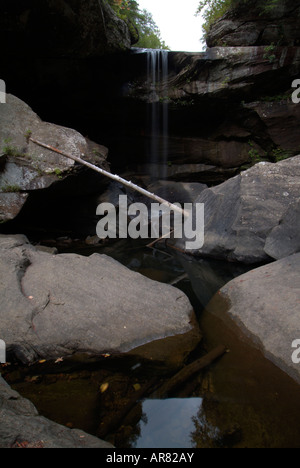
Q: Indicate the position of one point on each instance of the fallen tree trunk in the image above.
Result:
(114, 177)
(189, 371)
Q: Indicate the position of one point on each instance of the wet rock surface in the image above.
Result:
(264, 304)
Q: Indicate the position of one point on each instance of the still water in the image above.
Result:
(168, 423)
(241, 401)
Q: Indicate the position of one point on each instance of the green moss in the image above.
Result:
(269, 53)
(58, 173)
(279, 154)
(11, 189)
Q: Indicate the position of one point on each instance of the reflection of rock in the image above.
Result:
(264, 303)
(22, 427)
(29, 167)
(242, 213)
(55, 305)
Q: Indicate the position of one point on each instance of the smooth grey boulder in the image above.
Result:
(22, 427)
(244, 214)
(57, 305)
(264, 303)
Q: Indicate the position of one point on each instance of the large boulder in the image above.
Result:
(22, 426)
(264, 305)
(246, 215)
(28, 167)
(57, 305)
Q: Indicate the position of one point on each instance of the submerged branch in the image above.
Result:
(189, 371)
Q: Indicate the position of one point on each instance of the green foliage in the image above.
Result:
(10, 150)
(279, 154)
(58, 173)
(269, 53)
(277, 98)
(140, 23)
(212, 10)
(11, 189)
(28, 135)
(150, 36)
(253, 153)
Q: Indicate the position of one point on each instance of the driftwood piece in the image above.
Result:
(114, 177)
(189, 371)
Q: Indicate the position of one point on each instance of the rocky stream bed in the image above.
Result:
(93, 329)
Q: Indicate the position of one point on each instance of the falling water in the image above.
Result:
(158, 117)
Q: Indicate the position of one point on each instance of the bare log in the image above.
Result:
(189, 371)
(114, 177)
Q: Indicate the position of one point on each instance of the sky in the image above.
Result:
(179, 27)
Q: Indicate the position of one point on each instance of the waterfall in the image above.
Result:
(158, 115)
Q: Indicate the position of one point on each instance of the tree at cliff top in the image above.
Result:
(140, 22)
(212, 10)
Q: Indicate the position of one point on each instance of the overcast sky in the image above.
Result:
(179, 27)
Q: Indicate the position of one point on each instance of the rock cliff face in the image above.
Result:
(228, 107)
(252, 24)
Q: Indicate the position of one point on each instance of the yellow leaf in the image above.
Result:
(42, 361)
(137, 387)
(104, 387)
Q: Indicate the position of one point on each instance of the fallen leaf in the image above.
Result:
(104, 387)
(59, 360)
(42, 361)
(33, 379)
(137, 387)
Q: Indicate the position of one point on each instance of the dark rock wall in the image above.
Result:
(61, 28)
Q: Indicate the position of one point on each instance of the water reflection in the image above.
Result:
(168, 423)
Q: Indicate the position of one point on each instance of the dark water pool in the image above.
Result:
(242, 400)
